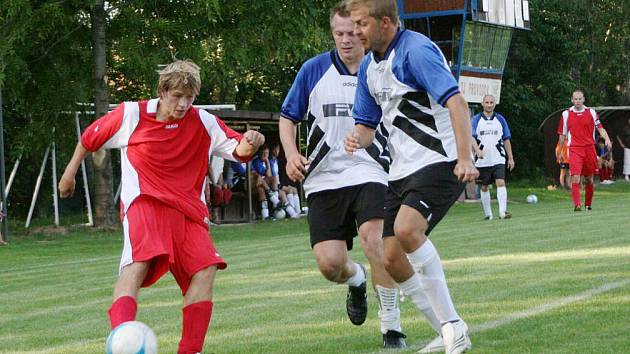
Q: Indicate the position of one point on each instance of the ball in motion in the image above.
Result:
(132, 337)
(532, 199)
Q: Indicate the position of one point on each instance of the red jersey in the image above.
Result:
(579, 126)
(165, 160)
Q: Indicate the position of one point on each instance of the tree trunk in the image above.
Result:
(105, 215)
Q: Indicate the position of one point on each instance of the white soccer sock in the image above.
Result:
(389, 310)
(264, 210)
(358, 278)
(485, 202)
(412, 288)
(289, 209)
(273, 197)
(502, 199)
(296, 203)
(426, 261)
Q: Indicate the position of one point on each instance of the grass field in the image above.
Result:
(547, 281)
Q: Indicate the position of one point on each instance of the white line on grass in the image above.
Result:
(536, 310)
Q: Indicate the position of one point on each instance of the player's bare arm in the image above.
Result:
(510, 157)
(360, 137)
(67, 181)
(460, 119)
(296, 163)
(250, 143)
(604, 135)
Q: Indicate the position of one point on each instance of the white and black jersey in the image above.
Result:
(404, 94)
(323, 93)
(490, 133)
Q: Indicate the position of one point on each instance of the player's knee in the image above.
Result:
(330, 269)
(406, 232)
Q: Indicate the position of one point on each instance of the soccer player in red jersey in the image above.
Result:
(165, 145)
(578, 128)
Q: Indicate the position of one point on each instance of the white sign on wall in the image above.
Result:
(474, 88)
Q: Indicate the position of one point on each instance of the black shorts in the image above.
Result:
(564, 165)
(431, 191)
(487, 175)
(335, 214)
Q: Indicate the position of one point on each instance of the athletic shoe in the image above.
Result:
(435, 346)
(588, 208)
(488, 217)
(577, 208)
(356, 301)
(394, 339)
(506, 216)
(455, 335)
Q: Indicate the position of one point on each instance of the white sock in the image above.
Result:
(502, 199)
(289, 209)
(296, 203)
(389, 310)
(358, 278)
(412, 288)
(485, 202)
(273, 197)
(426, 261)
(264, 210)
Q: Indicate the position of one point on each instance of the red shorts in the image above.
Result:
(221, 196)
(582, 160)
(155, 232)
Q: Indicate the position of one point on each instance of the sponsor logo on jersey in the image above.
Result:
(171, 126)
(384, 95)
(350, 84)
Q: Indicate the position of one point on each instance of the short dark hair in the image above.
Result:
(341, 9)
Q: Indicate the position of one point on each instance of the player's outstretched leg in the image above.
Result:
(389, 313)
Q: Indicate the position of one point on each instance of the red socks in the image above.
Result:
(196, 319)
(575, 193)
(589, 190)
(122, 310)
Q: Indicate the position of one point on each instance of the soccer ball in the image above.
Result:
(280, 214)
(132, 337)
(532, 199)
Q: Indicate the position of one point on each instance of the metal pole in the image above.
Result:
(12, 175)
(88, 203)
(5, 226)
(54, 182)
(36, 191)
(250, 214)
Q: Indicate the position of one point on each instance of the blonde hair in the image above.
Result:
(376, 8)
(180, 74)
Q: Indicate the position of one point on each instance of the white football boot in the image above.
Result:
(455, 336)
(435, 346)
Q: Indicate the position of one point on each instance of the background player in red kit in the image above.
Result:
(578, 126)
(165, 144)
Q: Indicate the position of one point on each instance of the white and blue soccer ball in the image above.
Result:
(132, 337)
(532, 199)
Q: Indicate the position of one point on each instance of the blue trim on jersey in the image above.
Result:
(391, 46)
(506, 130)
(365, 109)
(296, 102)
(418, 63)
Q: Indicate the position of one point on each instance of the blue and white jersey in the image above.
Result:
(490, 133)
(407, 90)
(323, 92)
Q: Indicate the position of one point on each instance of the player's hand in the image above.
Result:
(608, 144)
(296, 167)
(254, 138)
(479, 154)
(66, 186)
(351, 143)
(465, 171)
(510, 164)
